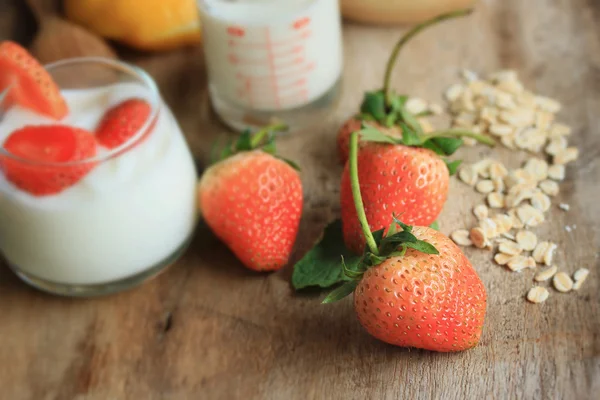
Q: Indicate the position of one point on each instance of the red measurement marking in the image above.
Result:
(236, 31)
(301, 23)
(283, 42)
(295, 61)
(272, 65)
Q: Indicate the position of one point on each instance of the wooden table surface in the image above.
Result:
(209, 329)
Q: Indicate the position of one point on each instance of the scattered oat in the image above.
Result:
(545, 274)
(469, 141)
(501, 130)
(566, 156)
(564, 206)
(416, 105)
(540, 250)
(556, 172)
(549, 254)
(515, 219)
(527, 240)
(502, 259)
(461, 237)
(468, 175)
(549, 187)
(498, 184)
(556, 145)
(436, 109)
(481, 211)
(580, 276)
(537, 294)
(482, 167)
(497, 170)
(504, 223)
(495, 200)
(511, 248)
(485, 186)
(530, 216)
(489, 227)
(454, 92)
(558, 130)
(540, 202)
(478, 237)
(537, 168)
(562, 282)
(518, 263)
(548, 104)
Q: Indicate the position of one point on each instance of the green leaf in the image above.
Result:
(339, 293)
(391, 119)
(405, 227)
(244, 142)
(435, 225)
(409, 136)
(371, 134)
(378, 236)
(400, 237)
(398, 102)
(422, 246)
(392, 229)
(321, 266)
(269, 146)
(452, 166)
(410, 120)
(430, 144)
(446, 144)
(374, 104)
(375, 260)
(290, 163)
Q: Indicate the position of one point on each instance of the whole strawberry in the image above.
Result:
(408, 181)
(412, 286)
(428, 301)
(252, 201)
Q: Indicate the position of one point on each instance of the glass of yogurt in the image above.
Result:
(105, 222)
(272, 60)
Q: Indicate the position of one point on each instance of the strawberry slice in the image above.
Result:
(122, 121)
(29, 84)
(37, 147)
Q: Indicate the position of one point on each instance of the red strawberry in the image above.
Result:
(253, 202)
(35, 155)
(408, 181)
(122, 122)
(28, 83)
(412, 286)
(433, 302)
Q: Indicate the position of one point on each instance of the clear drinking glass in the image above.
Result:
(130, 216)
(272, 60)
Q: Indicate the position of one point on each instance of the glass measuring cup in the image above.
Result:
(272, 59)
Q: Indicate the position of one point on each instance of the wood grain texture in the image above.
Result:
(209, 329)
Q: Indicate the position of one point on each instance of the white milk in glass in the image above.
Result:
(271, 59)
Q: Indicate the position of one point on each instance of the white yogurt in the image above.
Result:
(128, 214)
(271, 54)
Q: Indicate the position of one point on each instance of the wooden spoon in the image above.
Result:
(58, 38)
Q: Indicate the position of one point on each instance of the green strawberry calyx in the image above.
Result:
(442, 142)
(380, 246)
(263, 139)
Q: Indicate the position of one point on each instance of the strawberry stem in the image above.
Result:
(407, 37)
(355, 185)
(259, 136)
(458, 133)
